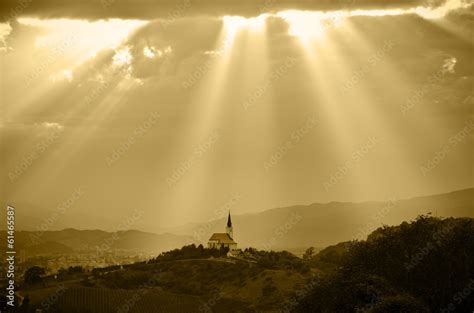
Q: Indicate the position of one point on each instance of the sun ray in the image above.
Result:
(66, 45)
(213, 96)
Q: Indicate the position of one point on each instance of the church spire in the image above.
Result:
(229, 229)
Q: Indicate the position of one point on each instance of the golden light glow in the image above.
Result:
(122, 57)
(5, 30)
(87, 37)
(311, 25)
(63, 45)
(149, 52)
(378, 12)
(425, 12)
(234, 24)
(66, 75)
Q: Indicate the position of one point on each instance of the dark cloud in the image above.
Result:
(171, 10)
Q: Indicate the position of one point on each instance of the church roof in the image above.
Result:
(229, 221)
(222, 238)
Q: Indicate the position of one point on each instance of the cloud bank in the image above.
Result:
(152, 9)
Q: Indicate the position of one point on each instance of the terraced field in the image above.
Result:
(103, 300)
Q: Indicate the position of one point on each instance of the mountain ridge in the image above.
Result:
(298, 226)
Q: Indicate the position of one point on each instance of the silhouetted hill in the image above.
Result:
(398, 269)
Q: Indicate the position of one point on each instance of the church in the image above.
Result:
(226, 239)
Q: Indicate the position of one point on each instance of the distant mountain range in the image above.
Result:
(73, 241)
(323, 224)
(293, 228)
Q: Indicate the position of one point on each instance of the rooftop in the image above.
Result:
(222, 238)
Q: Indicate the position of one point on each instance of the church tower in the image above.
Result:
(229, 229)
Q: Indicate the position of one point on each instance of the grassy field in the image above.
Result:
(262, 289)
(204, 285)
(104, 300)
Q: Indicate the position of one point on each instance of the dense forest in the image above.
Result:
(423, 266)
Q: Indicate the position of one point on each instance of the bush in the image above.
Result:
(34, 274)
(190, 252)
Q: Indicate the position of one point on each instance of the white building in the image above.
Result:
(226, 239)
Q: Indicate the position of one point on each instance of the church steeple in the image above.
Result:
(229, 229)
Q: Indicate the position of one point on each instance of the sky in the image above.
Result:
(176, 108)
